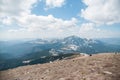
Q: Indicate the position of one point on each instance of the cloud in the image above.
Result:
(44, 25)
(6, 20)
(17, 30)
(23, 24)
(89, 30)
(15, 7)
(18, 13)
(54, 3)
(10, 9)
(44, 22)
(101, 11)
(87, 27)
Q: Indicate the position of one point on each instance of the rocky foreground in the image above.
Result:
(104, 66)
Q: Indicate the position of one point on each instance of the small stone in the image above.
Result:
(107, 72)
(62, 79)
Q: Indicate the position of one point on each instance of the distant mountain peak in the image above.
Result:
(73, 36)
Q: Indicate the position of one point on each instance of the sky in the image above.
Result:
(21, 19)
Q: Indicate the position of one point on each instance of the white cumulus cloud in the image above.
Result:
(15, 7)
(54, 3)
(87, 27)
(46, 25)
(102, 11)
(89, 30)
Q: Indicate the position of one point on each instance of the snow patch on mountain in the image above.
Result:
(73, 47)
(53, 52)
(27, 61)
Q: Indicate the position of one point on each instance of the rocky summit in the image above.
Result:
(102, 66)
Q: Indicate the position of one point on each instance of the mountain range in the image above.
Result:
(17, 53)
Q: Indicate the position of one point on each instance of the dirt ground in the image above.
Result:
(103, 66)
